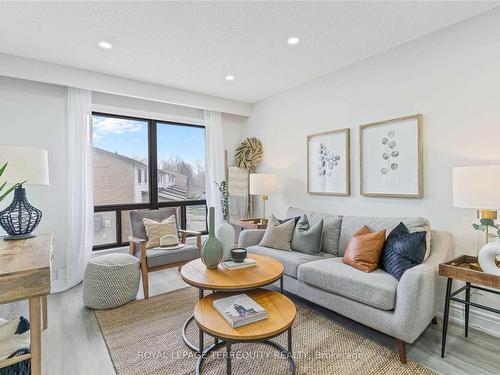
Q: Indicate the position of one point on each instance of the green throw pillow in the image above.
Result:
(307, 238)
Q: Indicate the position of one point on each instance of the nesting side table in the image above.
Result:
(460, 269)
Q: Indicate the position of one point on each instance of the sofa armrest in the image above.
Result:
(250, 237)
(418, 293)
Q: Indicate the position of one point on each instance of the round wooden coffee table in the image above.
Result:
(281, 313)
(195, 273)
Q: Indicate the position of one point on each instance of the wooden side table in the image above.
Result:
(195, 273)
(25, 273)
(281, 315)
(251, 224)
(460, 269)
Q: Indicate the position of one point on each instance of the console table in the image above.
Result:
(25, 273)
(460, 269)
(251, 224)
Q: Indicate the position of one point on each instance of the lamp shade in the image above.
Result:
(477, 187)
(25, 164)
(262, 184)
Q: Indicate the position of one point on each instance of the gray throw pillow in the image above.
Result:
(278, 236)
(307, 238)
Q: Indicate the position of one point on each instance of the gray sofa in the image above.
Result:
(400, 309)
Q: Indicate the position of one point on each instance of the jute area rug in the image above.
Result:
(144, 337)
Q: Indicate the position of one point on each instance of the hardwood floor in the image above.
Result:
(73, 344)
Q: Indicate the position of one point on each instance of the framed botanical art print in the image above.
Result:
(328, 163)
(391, 163)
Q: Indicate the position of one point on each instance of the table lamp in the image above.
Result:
(262, 184)
(28, 166)
(479, 188)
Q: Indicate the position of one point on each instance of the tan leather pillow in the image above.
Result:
(365, 249)
(156, 230)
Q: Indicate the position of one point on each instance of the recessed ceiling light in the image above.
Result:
(229, 77)
(105, 45)
(293, 40)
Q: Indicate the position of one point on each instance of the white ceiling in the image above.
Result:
(193, 46)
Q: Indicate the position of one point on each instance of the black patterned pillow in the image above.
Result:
(403, 250)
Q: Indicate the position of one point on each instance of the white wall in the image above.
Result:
(34, 114)
(452, 77)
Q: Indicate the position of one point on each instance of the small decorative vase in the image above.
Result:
(487, 257)
(211, 250)
(225, 234)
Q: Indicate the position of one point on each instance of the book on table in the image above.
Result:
(239, 310)
(232, 265)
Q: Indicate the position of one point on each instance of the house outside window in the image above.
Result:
(129, 150)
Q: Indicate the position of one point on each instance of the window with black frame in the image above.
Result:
(143, 164)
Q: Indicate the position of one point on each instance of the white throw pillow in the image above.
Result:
(278, 236)
(156, 230)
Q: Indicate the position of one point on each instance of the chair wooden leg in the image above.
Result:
(401, 350)
(435, 321)
(145, 282)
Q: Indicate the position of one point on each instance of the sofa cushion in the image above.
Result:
(160, 257)
(365, 249)
(331, 227)
(351, 224)
(307, 238)
(402, 251)
(278, 235)
(376, 289)
(291, 260)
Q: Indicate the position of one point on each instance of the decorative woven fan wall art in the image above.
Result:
(249, 154)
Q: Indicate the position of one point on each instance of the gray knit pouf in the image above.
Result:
(110, 281)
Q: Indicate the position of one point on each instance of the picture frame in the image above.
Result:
(328, 163)
(391, 158)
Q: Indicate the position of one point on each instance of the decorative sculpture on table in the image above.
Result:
(477, 187)
(488, 254)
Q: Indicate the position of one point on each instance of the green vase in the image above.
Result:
(211, 250)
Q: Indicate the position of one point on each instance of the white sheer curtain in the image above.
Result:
(214, 161)
(80, 199)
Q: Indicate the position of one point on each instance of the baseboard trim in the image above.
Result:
(478, 319)
(58, 286)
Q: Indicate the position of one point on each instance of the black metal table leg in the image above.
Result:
(200, 332)
(467, 308)
(290, 341)
(200, 344)
(281, 285)
(446, 314)
(228, 359)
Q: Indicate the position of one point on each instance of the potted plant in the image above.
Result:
(2, 185)
(225, 232)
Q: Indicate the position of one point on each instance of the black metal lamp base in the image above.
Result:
(18, 237)
(20, 218)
